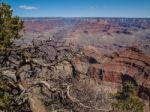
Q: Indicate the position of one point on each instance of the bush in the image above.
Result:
(127, 100)
(5, 96)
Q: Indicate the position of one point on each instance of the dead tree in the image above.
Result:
(33, 70)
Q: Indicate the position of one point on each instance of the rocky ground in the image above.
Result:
(79, 77)
(52, 80)
(56, 78)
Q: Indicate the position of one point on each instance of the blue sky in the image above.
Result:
(81, 8)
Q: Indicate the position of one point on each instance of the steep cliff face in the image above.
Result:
(128, 65)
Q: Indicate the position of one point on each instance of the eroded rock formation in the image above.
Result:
(128, 65)
(51, 76)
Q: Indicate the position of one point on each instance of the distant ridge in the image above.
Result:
(73, 18)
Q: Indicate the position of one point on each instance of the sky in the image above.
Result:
(81, 8)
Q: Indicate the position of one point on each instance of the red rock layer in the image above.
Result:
(129, 65)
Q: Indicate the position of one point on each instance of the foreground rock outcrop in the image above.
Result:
(50, 76)
(53, 76)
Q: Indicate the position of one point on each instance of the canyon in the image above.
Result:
(106, 34)
(115, 50)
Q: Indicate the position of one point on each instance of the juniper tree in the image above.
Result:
(10, 26)
(127, 100)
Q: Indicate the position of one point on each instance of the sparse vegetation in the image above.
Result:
(127, 100)
(47, 75)
(5, 96)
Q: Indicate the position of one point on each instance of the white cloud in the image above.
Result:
(92, 7)
(27, 7)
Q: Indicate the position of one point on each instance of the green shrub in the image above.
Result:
(5, 96)
(127, 100)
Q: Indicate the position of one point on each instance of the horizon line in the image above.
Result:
(83, 17)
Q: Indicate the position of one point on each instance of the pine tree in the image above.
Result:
(10, 26)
